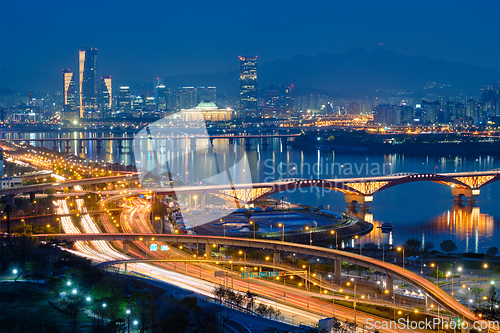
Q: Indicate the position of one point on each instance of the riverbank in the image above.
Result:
(411, 144)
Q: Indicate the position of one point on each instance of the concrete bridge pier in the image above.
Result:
(248, 144)
(337, 279)
(125, 268)
(67, 147)
(353, 199)
(208, 251)
(99, 144)
(125, 249)
(469, 193)
(202, 202)
(54, 145)
(276, 259)
(119, 146)
(11, 199)
(284, 143)
(231, 141)
(189, 201)
(193, 143)
(32, 196)
(390, 286)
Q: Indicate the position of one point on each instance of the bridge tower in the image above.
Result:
(469, 193)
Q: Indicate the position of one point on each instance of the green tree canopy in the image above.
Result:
(448, 246)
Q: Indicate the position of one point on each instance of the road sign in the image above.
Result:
(220, 274)
(258, 274)
(153, 247)
(164, 247)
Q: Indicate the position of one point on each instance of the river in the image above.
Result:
(422, 210)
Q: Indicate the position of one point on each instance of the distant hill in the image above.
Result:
(355, 72)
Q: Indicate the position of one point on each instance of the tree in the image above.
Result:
(73, 306)
(434, 274)
(248, 215)
(159, 209)
(477, 292)
(428, 246)
(492, 251)
(448, 246)
(250, 300)
(413, 245)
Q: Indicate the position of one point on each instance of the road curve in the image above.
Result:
(433, 291)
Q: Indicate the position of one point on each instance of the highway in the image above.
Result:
(436, 293)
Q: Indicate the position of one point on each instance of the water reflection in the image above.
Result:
(470, 229)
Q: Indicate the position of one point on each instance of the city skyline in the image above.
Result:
(455, 42)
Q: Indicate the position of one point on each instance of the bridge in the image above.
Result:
(355, 190)
(391, 271)
(32, 189)
(192, 138)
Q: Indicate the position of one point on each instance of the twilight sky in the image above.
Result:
(139, 40)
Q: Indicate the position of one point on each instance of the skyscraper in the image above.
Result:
(290, 98)
(106, 102)
(248, 83)
(124, 99)
(161, 96)
(69, 91)
(206, 94)
(186, 98)
(88, 81)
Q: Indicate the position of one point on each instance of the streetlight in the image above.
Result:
(336, 245)
(459, 274)
(128, 320)
(307, 276)
(254, 227)
(437, 272)
(452, 291)
(485, 267)
(356, 237)
(310, 234)
(400, 248)
(282, 225)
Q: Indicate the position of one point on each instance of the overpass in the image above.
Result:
(391, 271)
(32, 189)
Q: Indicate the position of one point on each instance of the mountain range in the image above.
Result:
(357, 72)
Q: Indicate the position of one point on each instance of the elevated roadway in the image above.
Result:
(391, 271)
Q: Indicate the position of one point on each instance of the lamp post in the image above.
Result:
(224, 225)
(459, 274)
(310, 234)
(356, 237)
(128, 320)
(437, 272)
(308, 276)
(336, 243)
(282, 225)
(254, 227)
(485, 266)
(400, 248)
